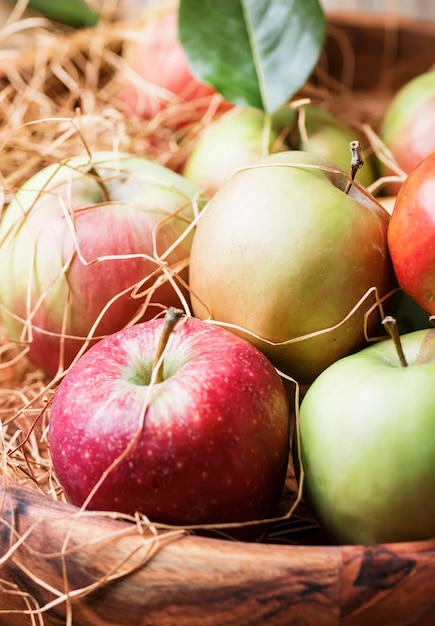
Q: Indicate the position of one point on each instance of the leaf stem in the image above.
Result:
(392, 329)
(171, 318)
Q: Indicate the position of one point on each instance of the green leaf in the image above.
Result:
(75, 13)
(253, 52)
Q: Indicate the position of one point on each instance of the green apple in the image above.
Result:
(237, 138)
(367, 443)
(244, 134)
(289, 260)
(325, 134)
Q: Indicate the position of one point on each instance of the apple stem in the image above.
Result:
(392, 329)
(171, 318)
(104, 191)
(356, 162)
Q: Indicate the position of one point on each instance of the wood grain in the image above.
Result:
(188, 580)
(390, 584)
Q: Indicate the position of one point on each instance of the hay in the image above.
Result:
(59, 97)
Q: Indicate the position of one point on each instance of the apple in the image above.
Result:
(411, 235)
(88, 246)
(327, 135)
(366, 443)
(244, 134)
(234, 140)
(408, 125)
(158, 73)
(200, 437)
(285, 257)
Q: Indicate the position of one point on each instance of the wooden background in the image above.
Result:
(420, 9)
(424, 9)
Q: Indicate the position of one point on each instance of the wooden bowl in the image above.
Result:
(61, 566)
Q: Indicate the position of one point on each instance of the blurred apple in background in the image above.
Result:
(159, 72)
(236, 139)
(408, 126)
(243, 135)
(282, 252)
(325, 134)
(90, 246)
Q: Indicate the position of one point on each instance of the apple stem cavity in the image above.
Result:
(171, 319)
(356, 162)
(393, 331)
(104, 191)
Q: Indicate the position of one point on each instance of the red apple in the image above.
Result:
(288, 259)
(206, 441)
(411, 235)
(159, 70)
(87, 248)
(408, 127)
